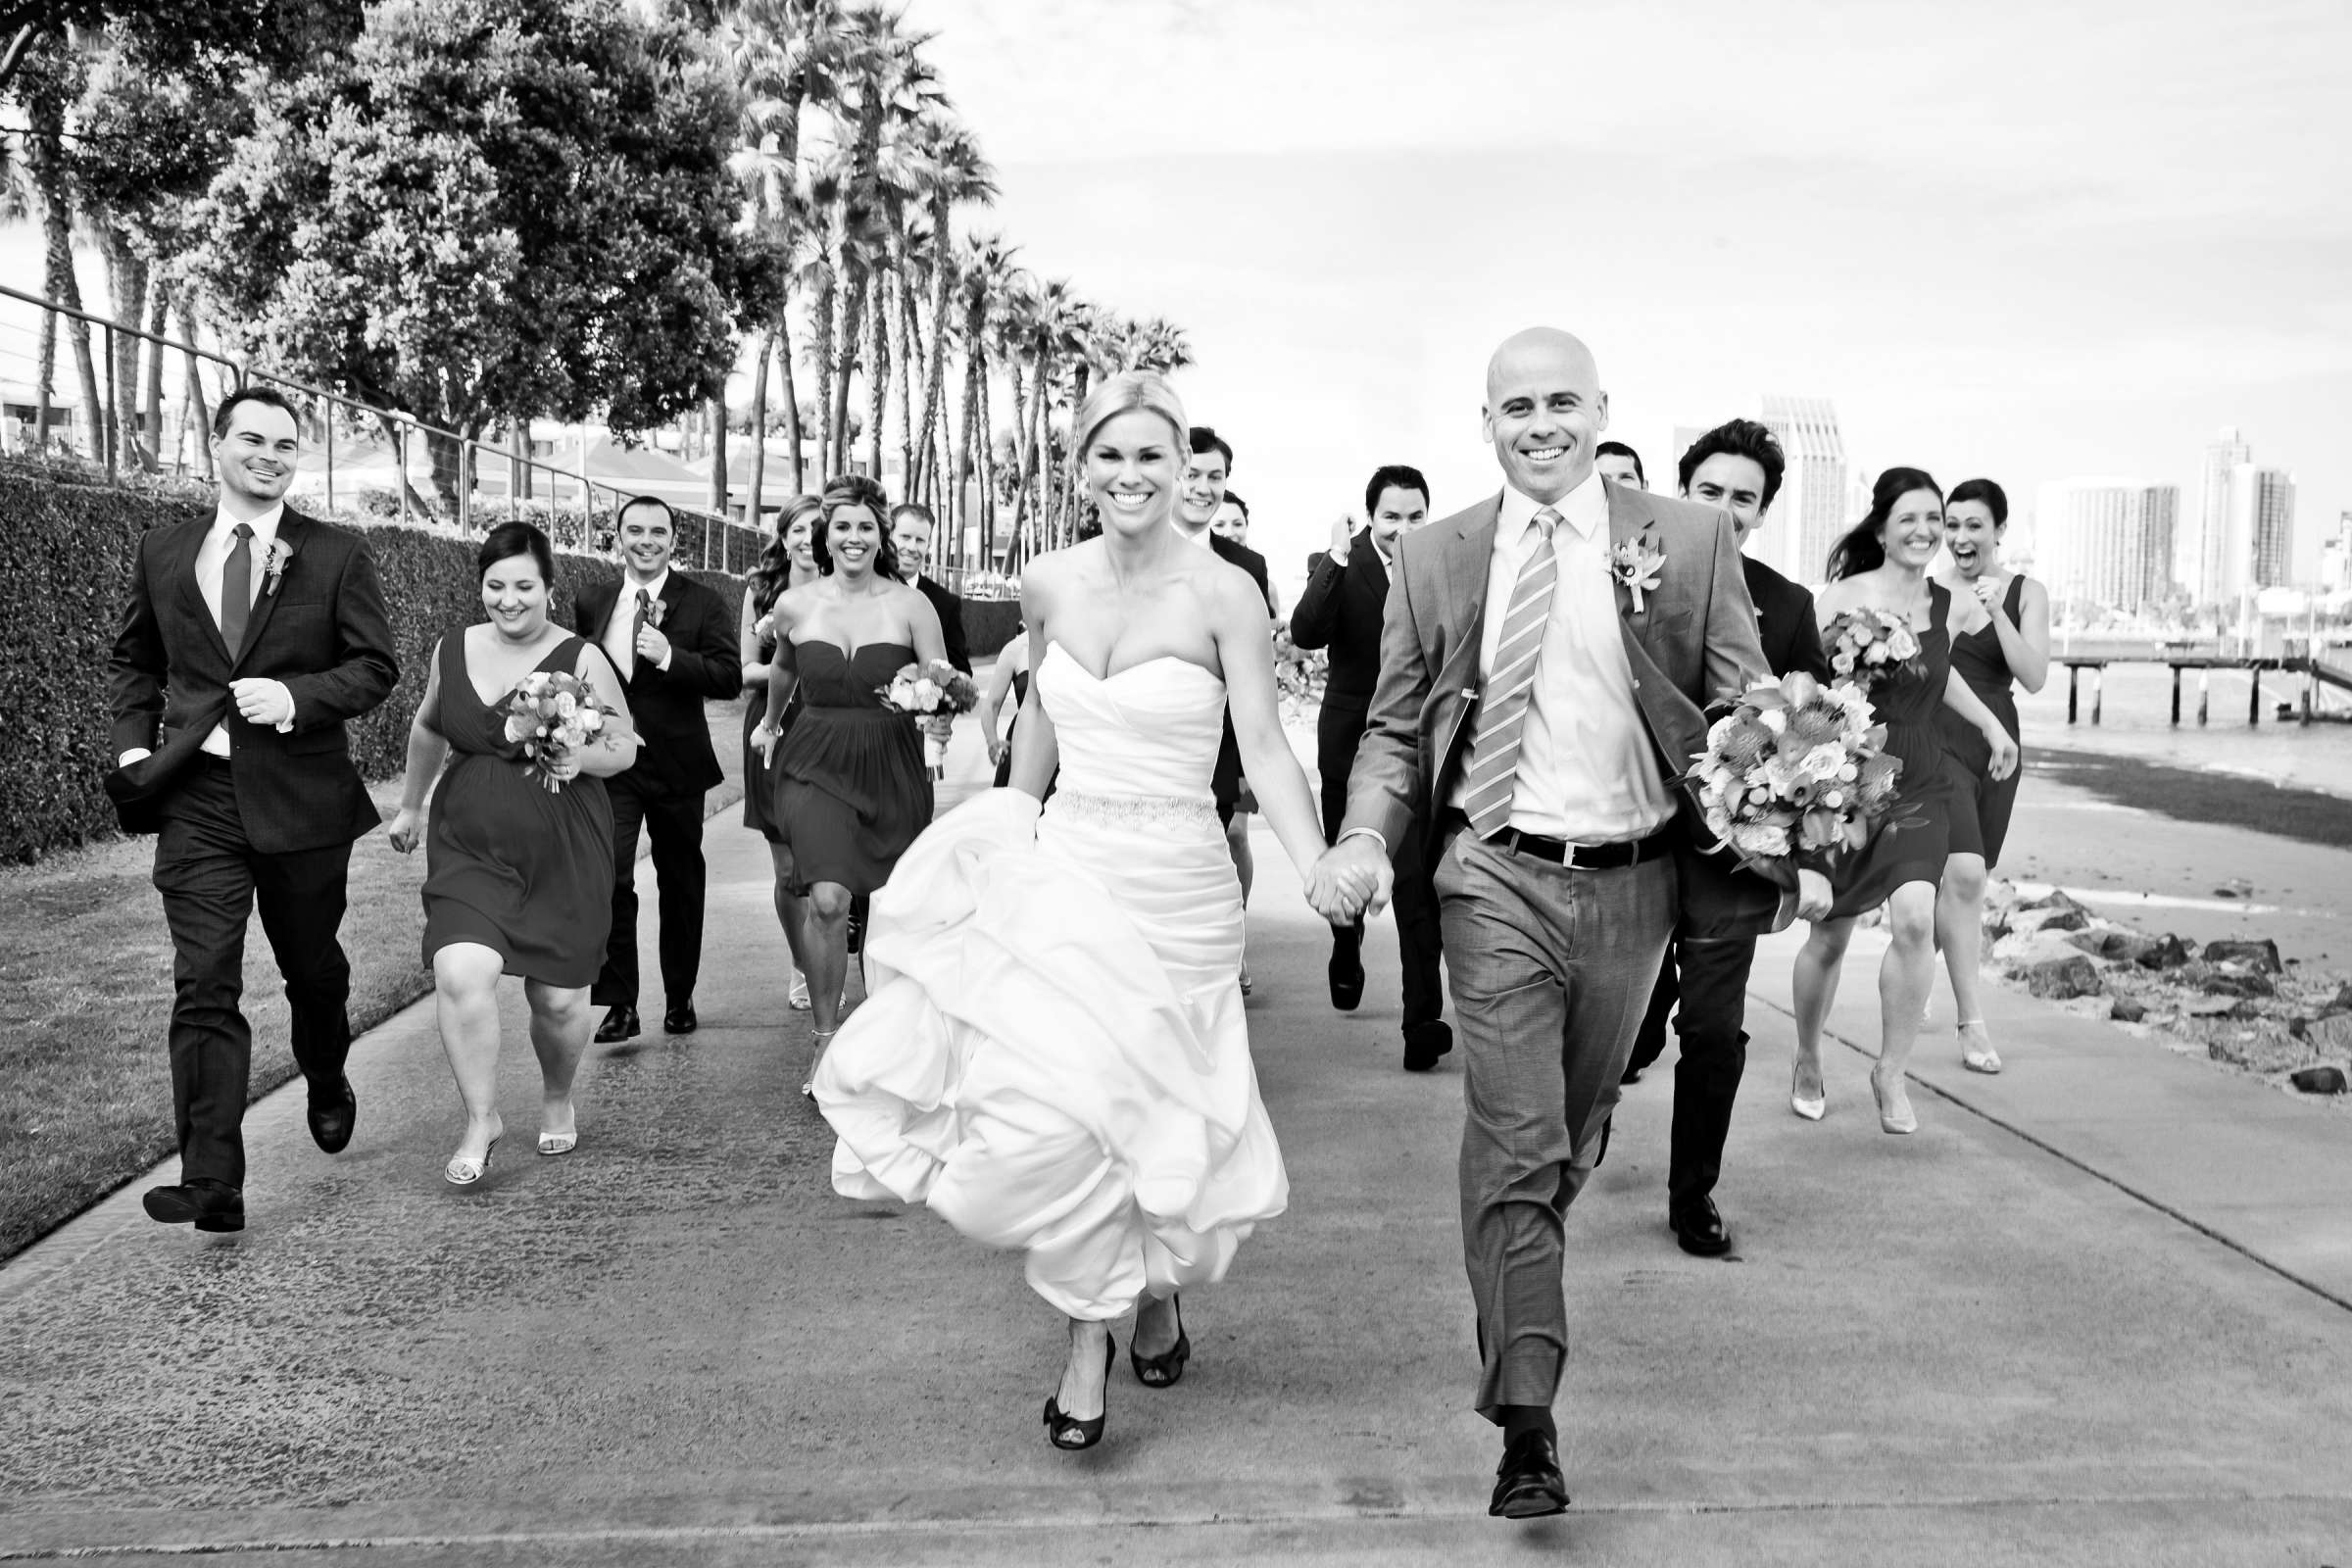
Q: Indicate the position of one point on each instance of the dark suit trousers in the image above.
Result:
(211, 878)
(1551, 970)
(1419, 941)
(674, 822)
(1708, 979)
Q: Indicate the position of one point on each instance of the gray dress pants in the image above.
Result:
(1551, 970)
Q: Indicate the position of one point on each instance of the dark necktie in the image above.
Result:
(236, 590)
(645, 611)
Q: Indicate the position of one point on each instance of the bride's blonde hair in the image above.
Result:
(1124, 392)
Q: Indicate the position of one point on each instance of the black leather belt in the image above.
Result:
(1577, 856)
(206, 761)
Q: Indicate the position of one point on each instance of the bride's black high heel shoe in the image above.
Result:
(1069, 1433)
(1162, 1370)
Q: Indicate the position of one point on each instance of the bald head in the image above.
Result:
(1544, 410)
(1541, 349)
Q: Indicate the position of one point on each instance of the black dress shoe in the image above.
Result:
(208, 1205)
(1699, 1227)
(1528, 1484)
(680, 1019)
(333, 1115)
(619, 1024)
(1345, 971)
(1425, 1042)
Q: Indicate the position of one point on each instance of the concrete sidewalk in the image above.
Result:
(2091, 1313)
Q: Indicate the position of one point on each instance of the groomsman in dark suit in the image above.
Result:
(1347, 595)
(674, 641)
(911, 529)
(1205, 476)
(1736, 468)
(1614, 460)
(247, 642)
(1202, 492)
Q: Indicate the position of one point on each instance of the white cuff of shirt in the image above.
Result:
(1372, 833)
(663, 666)
(287, 726)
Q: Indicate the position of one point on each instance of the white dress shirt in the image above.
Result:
(619, 645)
(212, 564)
(1588, 772)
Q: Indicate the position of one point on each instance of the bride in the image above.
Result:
(1054, 1055)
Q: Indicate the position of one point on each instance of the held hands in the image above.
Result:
(652, 646)
(408, 829)
(263, 702)
(1813, 895)
(1350, 880)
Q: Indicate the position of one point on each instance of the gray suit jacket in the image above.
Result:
(1694, 641)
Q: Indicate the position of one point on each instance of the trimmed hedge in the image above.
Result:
(75, 546)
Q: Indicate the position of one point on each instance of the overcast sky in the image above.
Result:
(2019, 240)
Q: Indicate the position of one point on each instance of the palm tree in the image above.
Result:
(960, 176)
(984, 273)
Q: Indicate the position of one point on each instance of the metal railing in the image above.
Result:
(576, 502)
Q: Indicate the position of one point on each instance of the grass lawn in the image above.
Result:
(85, 995)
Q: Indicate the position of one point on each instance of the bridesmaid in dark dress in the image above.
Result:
(1882, 563)
(2014, 647)
(518, 877)
(856, 791)
(789, 562)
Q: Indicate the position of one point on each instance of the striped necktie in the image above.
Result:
(1494, 772)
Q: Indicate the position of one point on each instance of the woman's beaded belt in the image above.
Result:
(1136, 811)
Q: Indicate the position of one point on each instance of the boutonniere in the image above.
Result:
(655, 610)
(1636, 563)
(273, 564)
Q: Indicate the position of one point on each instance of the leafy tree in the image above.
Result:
(494, 210)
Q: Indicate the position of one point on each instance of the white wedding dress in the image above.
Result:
(1053, 1055)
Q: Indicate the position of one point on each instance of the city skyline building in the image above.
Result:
(1810, 512)
(2108, 541)
(2201, 562)
(2259, 530)
(2335, 558)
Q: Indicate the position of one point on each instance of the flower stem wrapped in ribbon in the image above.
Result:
(550, 714)
(928, 691)
(1796, 772)
(1868, 646)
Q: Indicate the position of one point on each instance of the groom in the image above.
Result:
(250, 639)
(1543, 662)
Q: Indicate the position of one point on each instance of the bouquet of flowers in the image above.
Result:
(928, 692)
(552, 714)
(1795, 768)
(1868, 646)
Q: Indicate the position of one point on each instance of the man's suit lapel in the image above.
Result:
(180, 570)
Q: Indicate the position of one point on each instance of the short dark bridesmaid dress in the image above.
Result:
(510, 863)
(856, 791)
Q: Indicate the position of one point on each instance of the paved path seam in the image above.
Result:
(660, 1535)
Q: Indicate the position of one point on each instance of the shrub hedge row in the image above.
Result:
(72, 546)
